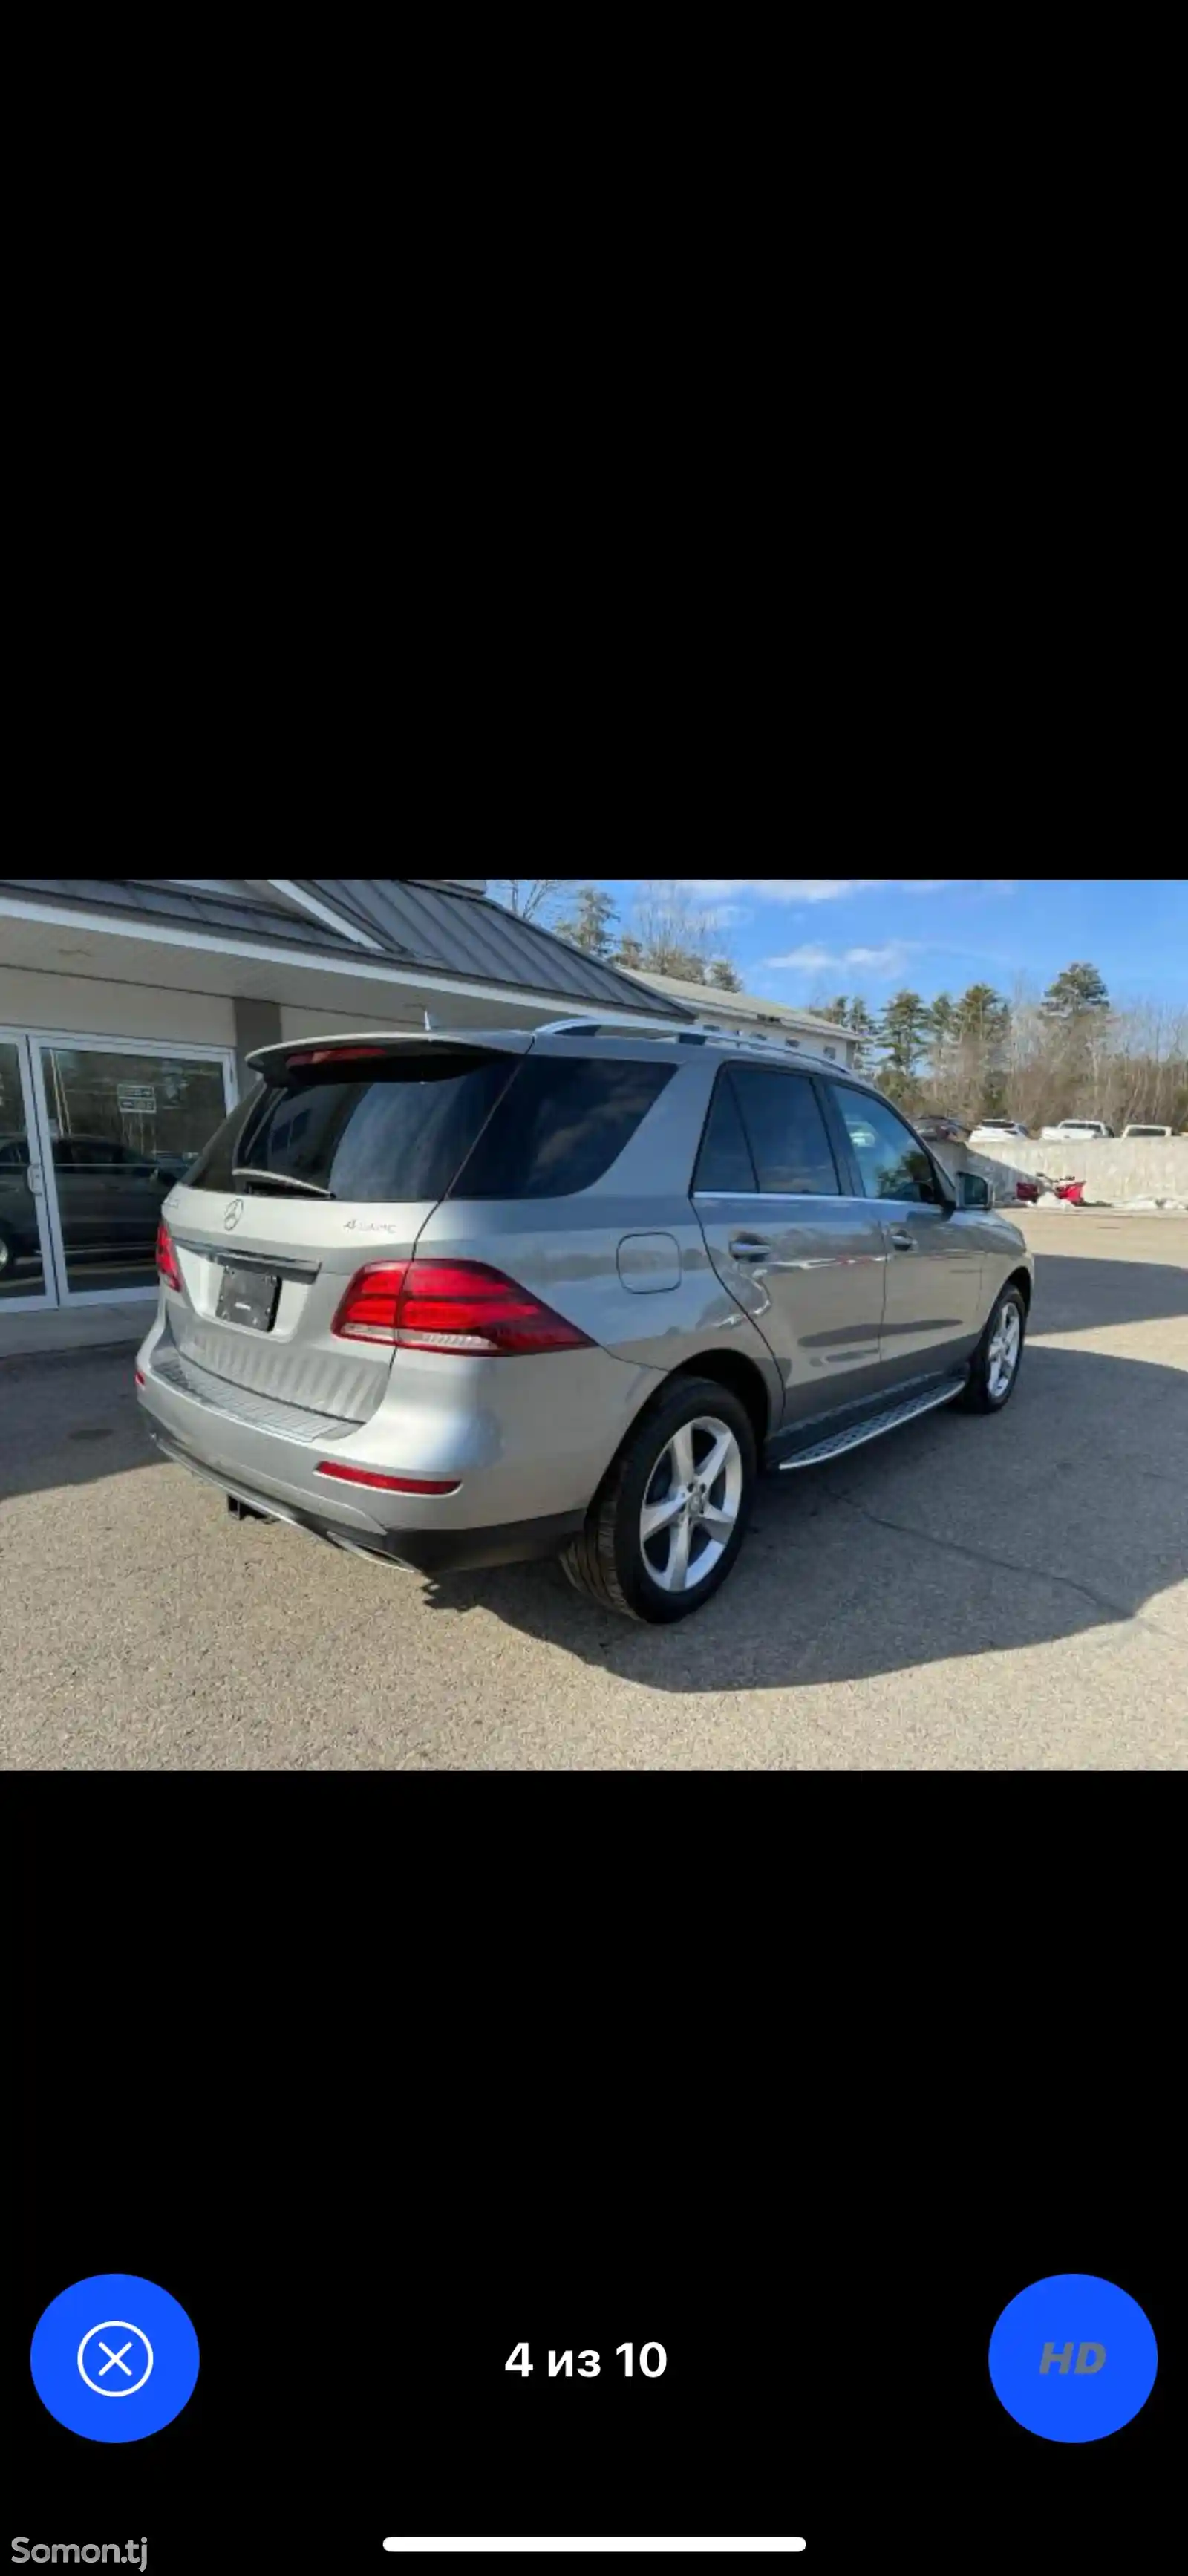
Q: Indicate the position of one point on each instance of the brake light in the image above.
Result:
(166, 1257)
(139, 1376)
(333, 1055)
(462, 1306)
(388, 1484)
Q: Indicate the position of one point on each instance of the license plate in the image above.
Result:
(248, 1297)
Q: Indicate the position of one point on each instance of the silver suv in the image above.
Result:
(463, 1298)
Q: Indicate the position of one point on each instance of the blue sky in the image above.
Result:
(795, 937)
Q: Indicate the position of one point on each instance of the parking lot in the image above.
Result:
(968, 1594)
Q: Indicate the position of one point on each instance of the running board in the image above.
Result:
(875, 1425)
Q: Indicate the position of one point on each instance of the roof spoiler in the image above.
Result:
(268, 1059)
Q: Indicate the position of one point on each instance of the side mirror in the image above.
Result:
(975, 1190)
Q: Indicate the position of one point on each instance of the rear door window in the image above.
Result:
(560, 1126)
(786, 1128)
(394, 1133)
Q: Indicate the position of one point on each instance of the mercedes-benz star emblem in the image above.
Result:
(233, 1215)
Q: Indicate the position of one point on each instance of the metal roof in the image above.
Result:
(183, 909)
(416, 923)
(471, 935)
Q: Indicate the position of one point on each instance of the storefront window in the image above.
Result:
(22, 1270)
(122, 1129)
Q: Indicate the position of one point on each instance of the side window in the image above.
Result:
(892, 1164)
(724, 1162)
(559, 1126)
(786, 1128)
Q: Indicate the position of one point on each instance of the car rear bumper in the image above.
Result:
(429, 1551)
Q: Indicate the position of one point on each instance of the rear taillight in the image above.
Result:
(166, 1257)
(458, 1306)
(139, 1376)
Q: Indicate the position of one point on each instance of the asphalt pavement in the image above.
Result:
(968, 1594)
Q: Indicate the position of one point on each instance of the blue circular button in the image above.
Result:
(114, 2357)
(1073, 2358)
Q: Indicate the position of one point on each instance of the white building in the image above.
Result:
(746, 1011)
(128, 1006)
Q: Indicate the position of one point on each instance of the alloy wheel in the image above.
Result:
(1002, 1359)
(692, 1504)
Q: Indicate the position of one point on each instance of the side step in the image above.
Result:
(875, 1424)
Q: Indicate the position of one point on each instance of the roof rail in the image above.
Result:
(614, 1022)
(697, 1033)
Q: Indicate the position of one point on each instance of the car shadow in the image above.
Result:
(960, 1535)
(1074, 1292)
(69, 1417)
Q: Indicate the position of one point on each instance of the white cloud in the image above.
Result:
(886, 961)
(820, 889)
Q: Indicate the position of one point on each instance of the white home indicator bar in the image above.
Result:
(725, 2548)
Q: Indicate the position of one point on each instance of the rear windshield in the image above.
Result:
(397, 1133)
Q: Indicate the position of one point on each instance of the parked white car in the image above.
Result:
(1144, 1131)
(992, 1127)
(1074, 1131)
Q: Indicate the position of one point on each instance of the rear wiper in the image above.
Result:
(279, 1180)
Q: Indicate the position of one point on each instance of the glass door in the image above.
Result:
(123, 1122)
(26, 1260)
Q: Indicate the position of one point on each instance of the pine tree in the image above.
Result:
(723, 975)
(1076, 989)
(981, 1014)
(858, 1019)
(903, 1031)
(590, 923)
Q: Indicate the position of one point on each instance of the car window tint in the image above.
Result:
(560, 1126)
(892, 1163)
(398, 1132)
(788, 1137)
(724, 1162)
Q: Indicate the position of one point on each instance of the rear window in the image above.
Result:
(559, 1127)
(398, 1133)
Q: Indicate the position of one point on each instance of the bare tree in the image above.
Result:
(675, 936)
(531, 898)
(1126, 1064)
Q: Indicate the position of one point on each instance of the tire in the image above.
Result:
(986, 1392)
(8, 1253)
(610, 1561)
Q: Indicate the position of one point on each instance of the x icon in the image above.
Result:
(116, 2357)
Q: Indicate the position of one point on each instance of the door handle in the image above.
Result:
(36, 1183)
(750, 1247)
(903, 1241)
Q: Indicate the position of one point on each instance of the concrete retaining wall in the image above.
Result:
(1150, 1168)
